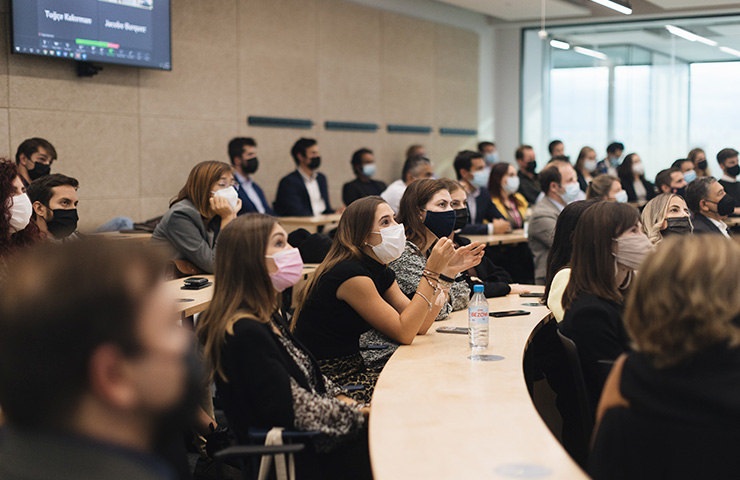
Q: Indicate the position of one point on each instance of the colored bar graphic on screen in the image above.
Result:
(96, 43)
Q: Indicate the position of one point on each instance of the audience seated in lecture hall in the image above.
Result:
(611, 162)
(529, 185)
(17, 229)
(556, 149)
(471, 171)
(727, 159)
(558, 259)
(304, 192)
(670, 409)
(606, 187)
(632, 175)
(363, 167)
(585, 166)
(670, 180)
(701, 165)
(129, 384)
(414, 168)
(560, 187)
(666, 215)
(503, 185)
(54, 199)
(707, 199)
(353, 290)
(489, 152)
(243, 156)
(204, 206)
(264, 377)
(608, 247)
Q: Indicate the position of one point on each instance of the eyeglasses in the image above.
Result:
(223, 183)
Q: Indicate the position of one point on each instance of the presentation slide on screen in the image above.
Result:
(121, 31)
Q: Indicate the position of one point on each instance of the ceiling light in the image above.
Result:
(590, 53)
(621, 7)
(730, 51)
(691, 37)
(559, 44)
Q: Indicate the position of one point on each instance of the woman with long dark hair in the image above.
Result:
(17, 229)
(503, 185)
(631, 173)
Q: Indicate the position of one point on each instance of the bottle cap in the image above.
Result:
(478, 288)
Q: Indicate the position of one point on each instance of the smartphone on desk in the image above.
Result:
(509, 313)
(458, 330)
(195, 283)
(530, 295)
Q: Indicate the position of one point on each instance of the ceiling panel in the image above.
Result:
(673, 4)
(517, 10)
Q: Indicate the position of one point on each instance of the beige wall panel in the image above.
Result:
(94, 212)
(202, 84)
(268, 26)
(336, 152)
(101, 151)
(350, 94)
(393, 152)
(151, 207)
(210, 21)
(4, 49)
(408, 45)
(4, 6)
(408, 99)
(273, 151)
(5, 150)
(447, 148)
(170, 148)
(348, 32)
(457, 104)
(457, 54)
(53, 84)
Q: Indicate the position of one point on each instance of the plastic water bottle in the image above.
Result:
(478, 319)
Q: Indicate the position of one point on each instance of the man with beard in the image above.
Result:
(243, 155)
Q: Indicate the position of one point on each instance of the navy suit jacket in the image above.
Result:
(292, 198)
(485, 211)
(248, 206)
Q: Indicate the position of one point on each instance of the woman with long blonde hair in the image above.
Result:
(264, 377)
(666, 214)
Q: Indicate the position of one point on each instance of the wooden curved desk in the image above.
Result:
(436, 414)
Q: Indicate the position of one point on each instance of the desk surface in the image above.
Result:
(438, 415)
(142, 237)
(516, 236)
(311, 224)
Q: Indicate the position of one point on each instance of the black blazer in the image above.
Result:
(485, 211)
(629, 187)
(357, 189)
(292, 198)
(248, 206)
(703, 225)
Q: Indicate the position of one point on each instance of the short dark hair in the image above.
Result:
(412, 164)
(31, 146)
(45, 318)
(483, 145)
(698, 190)
(553, 144)
(614, 146)
(550, 174)
(664, 177)
(464, 161)
(40, 189)
(357, 156)
(300, 147)
(236, 146)
(677, 164)
(726, 154)
(519, 154)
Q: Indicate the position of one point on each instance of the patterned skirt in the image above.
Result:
(351, 370)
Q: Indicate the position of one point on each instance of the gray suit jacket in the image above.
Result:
(541, 230)
(183, 229)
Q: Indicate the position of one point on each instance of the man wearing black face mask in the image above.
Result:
(243, 155)
(706, 197)
(34, 158)
(54, 199)
(304, 192)
(529, 185)
(107, 375)
(671, 180)
(727, 159)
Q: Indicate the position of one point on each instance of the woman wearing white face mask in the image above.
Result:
(606, 187)
(632, 175)
(503, 185)
(16, 227)
(264, 377)
(585, 167)
(353, 290)
(608, 247)
(205, 205)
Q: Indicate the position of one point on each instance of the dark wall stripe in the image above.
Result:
(409, 129)
(467, 132)
(351, 126)
(279, 122)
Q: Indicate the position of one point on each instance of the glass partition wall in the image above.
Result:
(661, 87)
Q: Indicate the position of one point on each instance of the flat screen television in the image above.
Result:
(125, 32)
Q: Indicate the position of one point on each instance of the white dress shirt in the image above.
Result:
(247, 185)
(721, 225)
(314, 193)
(393, 193)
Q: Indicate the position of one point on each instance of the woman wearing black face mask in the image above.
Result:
(699, 158)
(666, 214)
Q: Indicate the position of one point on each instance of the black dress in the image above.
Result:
(682, 422)
(595, 326)
(330, 328)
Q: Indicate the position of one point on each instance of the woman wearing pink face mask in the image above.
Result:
(264, 377)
